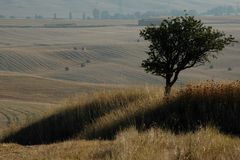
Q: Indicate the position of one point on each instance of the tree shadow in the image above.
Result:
(68, 123)
(182, 114)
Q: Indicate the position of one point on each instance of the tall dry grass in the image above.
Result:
(212, 103)
(156, 144)
(71, 119)
(103, 116)
(193, 107)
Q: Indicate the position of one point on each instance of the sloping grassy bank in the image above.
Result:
(195, 106)
(155, 144)
(103, 116)
(69, 121)
(204, 144)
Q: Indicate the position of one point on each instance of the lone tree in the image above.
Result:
(181, 43)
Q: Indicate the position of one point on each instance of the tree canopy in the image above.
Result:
(180, 43)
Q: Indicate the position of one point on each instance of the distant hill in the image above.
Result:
(62, 7)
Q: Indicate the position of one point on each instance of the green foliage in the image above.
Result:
(180, 43)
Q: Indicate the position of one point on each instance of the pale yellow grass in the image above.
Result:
(151, 99)
(14, 113)
(26, 98)
(72, 150)
(160, 145)
(25, 87)
(154, 144)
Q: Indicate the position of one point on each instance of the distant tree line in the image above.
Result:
(223, 10)
(97, 14)
(218, 11)
(38, 16)
(5, 17)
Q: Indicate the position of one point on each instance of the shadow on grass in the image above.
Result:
(192, 108)
(67, 124)
(187, 112)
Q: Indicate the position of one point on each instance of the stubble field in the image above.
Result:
(33, 60)
(42, 66)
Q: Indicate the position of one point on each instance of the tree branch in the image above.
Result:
(175, 78)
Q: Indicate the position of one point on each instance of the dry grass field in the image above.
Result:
(25, 98)
(143, 124)
(41, 67)
(132, 145)
(110, 55)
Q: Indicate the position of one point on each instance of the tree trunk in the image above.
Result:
(168, 90)
(168, 86)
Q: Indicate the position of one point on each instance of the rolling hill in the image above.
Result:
(39, 67)
(24, 98)
(110, 55)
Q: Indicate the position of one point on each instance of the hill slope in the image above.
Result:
(104, 115)
(131, 145)
(24, 98)
(110, 55)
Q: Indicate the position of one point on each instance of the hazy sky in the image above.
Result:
(62, 7)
